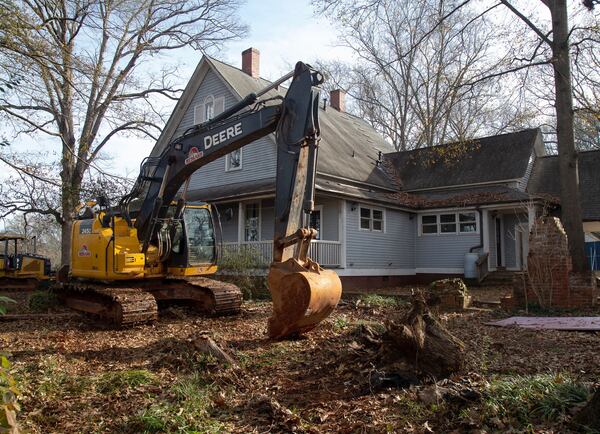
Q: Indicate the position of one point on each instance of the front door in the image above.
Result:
(499, 263)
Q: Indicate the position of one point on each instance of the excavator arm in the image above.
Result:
(303, 293)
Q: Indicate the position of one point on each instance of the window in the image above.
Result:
(371, 219)
(208, 109)
(449, 223)
(233, 160)
(468, 222)
(252, 222)
(429, 224)
(315, 222)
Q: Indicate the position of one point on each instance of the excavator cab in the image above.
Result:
(18, 268)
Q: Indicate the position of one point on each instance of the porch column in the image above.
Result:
(240, 237)
(342, 233)
(485, 227)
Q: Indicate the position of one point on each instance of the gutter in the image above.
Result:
(480, 245)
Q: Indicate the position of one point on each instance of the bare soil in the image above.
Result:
(78, 376)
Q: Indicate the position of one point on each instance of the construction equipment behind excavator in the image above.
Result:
(154, 246)
(18, 268)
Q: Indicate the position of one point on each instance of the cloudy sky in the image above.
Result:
(283, 31)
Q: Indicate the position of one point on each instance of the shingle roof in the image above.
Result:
(545, 179)
(349, 147)
(487, 159)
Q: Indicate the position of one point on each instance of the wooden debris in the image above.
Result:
(206, 345)
(589, 416)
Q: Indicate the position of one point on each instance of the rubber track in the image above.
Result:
(227, 297)
(136, 305)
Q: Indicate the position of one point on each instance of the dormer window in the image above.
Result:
(208, 109)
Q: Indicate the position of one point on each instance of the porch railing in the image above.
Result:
(326, 253)
(482, 267)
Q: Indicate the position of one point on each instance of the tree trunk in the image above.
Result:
(71, 190)
(567, 155)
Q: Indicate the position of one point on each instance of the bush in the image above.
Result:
(42, 301)
(8, 398)
(245, 268)
(529, 398)
(3, 302)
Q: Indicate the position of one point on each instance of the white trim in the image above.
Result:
(440, 270)
(371, 218)
(374, 272)
(233, 169)
(342, 232)
(502, 229)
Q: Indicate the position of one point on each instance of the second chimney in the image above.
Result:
(251, 62)
(338, 99)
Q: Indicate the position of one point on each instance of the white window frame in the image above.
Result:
(456, 222)
(228, 167)
(200, 109)
(371, 208)
(209, 99)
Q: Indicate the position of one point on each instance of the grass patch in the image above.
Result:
(374, 300)
(189, 410)
(528, 399)
(112, 382)
(42, 301)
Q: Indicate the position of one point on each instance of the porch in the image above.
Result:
(326, 253)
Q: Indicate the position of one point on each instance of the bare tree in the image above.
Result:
(84, 73)
(409, 74)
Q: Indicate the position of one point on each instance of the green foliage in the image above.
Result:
(113, 382)
(9, 393)
(527, 399)
(42, 301)
(3, 302)
(243, 268)
(189, 410)
(374, 300)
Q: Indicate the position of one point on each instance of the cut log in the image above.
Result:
(421, 340)
(206, 345)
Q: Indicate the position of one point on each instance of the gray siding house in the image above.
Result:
(383, 217)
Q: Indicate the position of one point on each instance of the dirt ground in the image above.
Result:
(76, 376)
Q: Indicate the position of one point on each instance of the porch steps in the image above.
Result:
(499, 278)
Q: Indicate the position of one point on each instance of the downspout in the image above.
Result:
(480, 245)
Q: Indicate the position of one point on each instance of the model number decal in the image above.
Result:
(85, 227)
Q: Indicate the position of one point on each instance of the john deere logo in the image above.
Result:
(193, 155)
(84, 252)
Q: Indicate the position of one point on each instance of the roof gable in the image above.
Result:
(484, 160)
(545, 178)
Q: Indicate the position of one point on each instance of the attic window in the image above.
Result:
(208, 109)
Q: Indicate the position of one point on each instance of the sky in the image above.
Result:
(284, 31)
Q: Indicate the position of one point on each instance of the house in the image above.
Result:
(383, 217)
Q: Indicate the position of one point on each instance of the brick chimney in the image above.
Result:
(251, 62)
(338, 99)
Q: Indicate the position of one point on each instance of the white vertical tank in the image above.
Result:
(471, 265)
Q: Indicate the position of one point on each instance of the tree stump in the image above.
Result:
(419, 340)
(206, 345)
(589, 416)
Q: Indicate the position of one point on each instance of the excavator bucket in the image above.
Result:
(303, 296)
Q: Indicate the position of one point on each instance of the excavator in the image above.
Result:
(154, 246)
(18, 268)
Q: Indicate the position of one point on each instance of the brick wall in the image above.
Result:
(549, 281)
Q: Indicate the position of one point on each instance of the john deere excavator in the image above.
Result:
(155, 246)
(18, 268)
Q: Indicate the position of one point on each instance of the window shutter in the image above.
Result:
(219, 105)
(198, 114)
